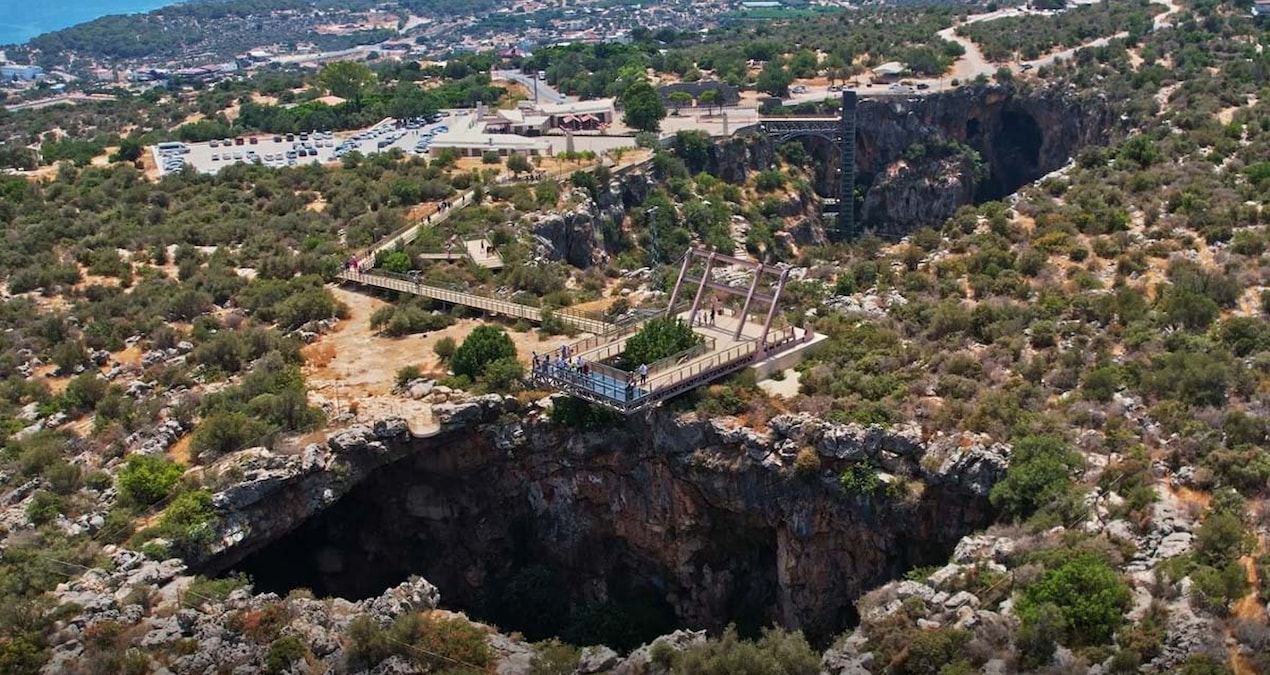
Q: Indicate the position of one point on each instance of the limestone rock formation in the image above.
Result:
(748, 530)
(571, 237)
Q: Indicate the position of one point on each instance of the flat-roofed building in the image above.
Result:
(475, 144)
(12, 72)
(579, 116)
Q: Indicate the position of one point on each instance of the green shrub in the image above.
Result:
(657, 339)
(502, 375)
(45, 507)
(202, 589)
(770, 180)
(777, 651)
(226, 431)
(860, 479)
(1039, 475)
(1090, 595)
(444, 348)
(579, 414)
(930, 652)
(406, 374)
(283, 652)
(1218, 587)
(148, 479)
(189, 523)
(1221, 539)
(485, 345)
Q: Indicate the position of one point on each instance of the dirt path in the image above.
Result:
(355, 366)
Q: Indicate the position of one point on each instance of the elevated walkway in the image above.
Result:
(515, 310)
(718, 356)
(730, 340)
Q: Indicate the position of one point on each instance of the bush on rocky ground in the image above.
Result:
(776, 651)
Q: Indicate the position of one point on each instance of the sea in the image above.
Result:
(21, 20)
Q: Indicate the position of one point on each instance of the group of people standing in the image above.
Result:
(566, 364)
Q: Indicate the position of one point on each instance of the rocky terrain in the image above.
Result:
(701, 483)
(692, 479)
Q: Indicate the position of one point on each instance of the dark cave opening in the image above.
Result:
(972, 129)
(1013, 157)
(493, 556)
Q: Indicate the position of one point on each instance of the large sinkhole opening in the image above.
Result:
(1014, 157)
(569, 570)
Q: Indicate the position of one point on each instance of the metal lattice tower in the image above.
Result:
(840, 132)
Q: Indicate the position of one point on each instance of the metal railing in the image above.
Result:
(603, 384)
(404, 284)
(492, 305)
(668, 379)
(706, 346)
(408, 233)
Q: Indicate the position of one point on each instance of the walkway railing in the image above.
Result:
(705, 347)
(404, 284)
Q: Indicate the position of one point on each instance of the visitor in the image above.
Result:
(643, 373)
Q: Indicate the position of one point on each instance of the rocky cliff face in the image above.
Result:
(705, 520)
(578, 237)
(1018, 134)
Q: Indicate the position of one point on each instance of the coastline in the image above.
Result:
(53, 15)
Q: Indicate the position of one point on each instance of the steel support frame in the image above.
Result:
(771, 313)
(674, 295)
(701, 290)
(840, 132)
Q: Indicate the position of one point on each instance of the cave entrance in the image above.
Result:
(1014, 155)
(566, 572)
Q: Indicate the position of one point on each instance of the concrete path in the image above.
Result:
(482, 252)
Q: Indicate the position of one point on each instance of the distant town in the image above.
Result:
(56, 64)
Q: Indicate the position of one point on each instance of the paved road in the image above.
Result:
(973, 63)
(546, 93)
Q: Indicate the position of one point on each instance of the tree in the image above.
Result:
(348, 80)
(804, 64)
(657, 339)
(644, 110)
(482, 347)
(1089, 593)
(518, 164)
(680, 99)
(774, 79)
(130, 150)
(147, 479)
(710, 98)
(1038, 476)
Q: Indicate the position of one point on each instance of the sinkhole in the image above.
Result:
(524, 556)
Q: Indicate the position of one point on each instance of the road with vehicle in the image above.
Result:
(546, 93)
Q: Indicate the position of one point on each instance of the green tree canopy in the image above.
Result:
(518, 163)
(347, 79)
(146, 479)
(774, 79)
(1039, 472)
(644, 110)
(657, 339)
(482, 347)
(1090, 595)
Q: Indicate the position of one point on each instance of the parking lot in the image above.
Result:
(278, 150)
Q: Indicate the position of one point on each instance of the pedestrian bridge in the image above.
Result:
(738, 327)
(738, 323)
(415, 286)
